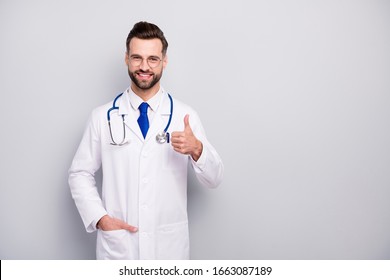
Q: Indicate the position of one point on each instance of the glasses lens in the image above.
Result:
(153, 62)
(135, 61)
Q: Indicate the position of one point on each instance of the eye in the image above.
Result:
(154, 59)
(136, 58)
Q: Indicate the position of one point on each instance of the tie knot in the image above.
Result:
(143, 108)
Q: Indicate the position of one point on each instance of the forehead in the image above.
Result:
(146, 47)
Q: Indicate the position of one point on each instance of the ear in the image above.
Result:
(127, 58)
(165, 61)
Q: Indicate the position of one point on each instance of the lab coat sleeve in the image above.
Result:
(209, 167)
(82, 176)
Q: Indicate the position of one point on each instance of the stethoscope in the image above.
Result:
(161, 137)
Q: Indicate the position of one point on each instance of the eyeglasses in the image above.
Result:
(153, 61)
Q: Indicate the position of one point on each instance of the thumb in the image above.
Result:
(130, 228)
(187, 122)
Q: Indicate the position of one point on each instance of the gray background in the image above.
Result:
(295, 96)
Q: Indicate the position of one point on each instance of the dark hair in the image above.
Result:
(146, 30)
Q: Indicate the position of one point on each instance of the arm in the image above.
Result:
(82, 177)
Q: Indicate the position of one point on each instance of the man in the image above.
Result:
(142, 213)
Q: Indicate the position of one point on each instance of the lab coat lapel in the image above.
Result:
(125, 109)
(160, 119)
(134, 126)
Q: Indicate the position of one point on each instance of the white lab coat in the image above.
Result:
(144, 182)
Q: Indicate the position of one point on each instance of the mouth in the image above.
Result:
(144, 76)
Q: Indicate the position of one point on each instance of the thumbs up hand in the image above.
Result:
(185, 142)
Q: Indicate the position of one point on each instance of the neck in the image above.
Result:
(145, 94)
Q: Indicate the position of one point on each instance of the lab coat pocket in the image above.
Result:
(113, 244)
(173, 241)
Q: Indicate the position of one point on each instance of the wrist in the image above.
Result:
(98, 224)
(198, 151)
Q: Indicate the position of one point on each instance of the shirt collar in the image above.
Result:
(153, 102)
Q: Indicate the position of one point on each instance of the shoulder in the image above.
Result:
(101, 111)
(98, 115)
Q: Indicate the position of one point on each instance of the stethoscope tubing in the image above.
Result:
(165, 133)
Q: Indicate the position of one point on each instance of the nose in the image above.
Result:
(144, 65)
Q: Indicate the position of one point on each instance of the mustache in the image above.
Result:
(143, 72)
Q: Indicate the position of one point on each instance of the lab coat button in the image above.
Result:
(145, 180)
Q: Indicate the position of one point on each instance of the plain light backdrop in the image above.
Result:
(294, 95)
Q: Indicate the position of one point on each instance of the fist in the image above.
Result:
(185, 142)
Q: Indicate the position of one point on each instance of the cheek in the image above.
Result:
(131, 69)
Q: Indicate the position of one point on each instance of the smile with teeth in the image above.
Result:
(144, 75)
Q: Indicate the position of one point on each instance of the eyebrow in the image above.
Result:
(151, 56)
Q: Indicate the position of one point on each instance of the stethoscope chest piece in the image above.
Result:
(162, 137)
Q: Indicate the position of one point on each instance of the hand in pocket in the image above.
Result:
(107, 223)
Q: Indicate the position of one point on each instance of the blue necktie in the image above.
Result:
(143, 118)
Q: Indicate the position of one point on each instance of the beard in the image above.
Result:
(142, 84)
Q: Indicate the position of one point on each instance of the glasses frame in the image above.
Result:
(137, 64)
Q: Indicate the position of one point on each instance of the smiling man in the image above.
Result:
(143, 141)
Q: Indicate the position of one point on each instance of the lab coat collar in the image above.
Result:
(131, 101)
(153, 102)
(124, 103)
